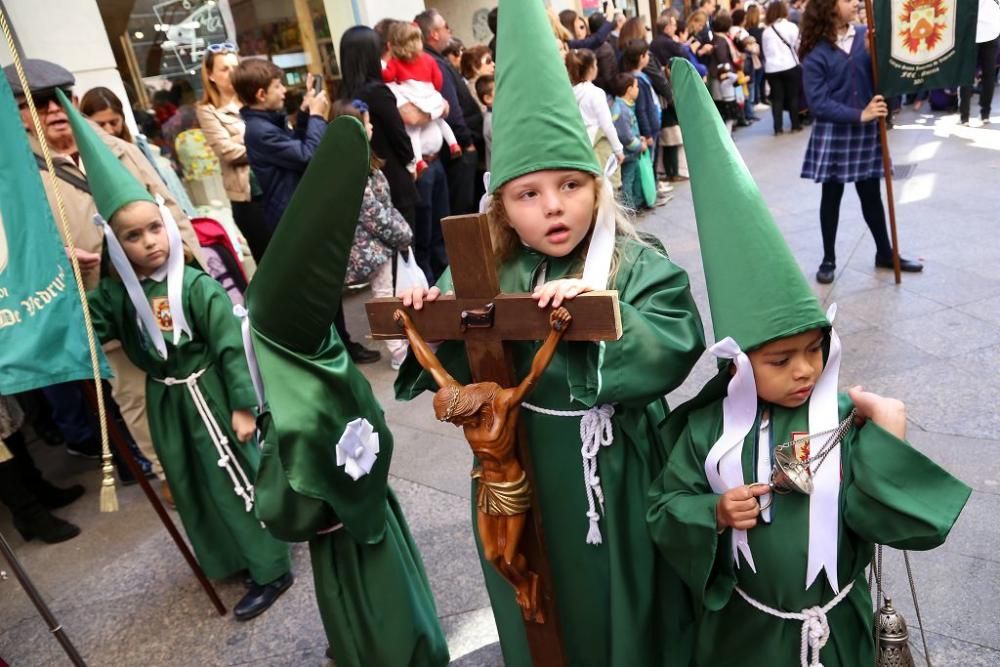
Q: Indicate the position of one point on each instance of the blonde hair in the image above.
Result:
(506, 242)
(560, 31)
(697, 17)
(405, 40)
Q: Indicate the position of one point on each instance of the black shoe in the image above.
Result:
(777, 132)
(260, 597)
(88, 449)
(826, 273)
(361, 354)
(905, 265)
(53, 497)
(796, 129)
(329, 653)
(46, 527)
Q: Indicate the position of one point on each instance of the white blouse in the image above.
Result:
(596, 113)
(778, 57)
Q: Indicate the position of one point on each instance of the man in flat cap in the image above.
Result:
(44, 78)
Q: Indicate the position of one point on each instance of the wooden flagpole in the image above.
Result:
(884, 138)
(55, 627)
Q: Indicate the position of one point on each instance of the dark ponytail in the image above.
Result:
(578, 63)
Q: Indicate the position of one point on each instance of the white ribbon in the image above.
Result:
(815, 627)
(724, 464)
(134, 290)
(596, 431)
(175, 273)
(597, 266)
(175, 281)
(227, 460)
(358, 448)
(251, 355)
(824, 503)
(484, 201)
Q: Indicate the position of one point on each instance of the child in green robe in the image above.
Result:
(778, 569)
(558, 233)
(199, 395)
(326, 447)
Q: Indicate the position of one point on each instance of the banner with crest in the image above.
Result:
(925, 44)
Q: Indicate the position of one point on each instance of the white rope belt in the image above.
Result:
(595, 432)
(815, 629)
(227, 461)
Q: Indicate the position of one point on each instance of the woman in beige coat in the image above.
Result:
(219, 117)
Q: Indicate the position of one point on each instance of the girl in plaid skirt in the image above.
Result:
(844, 146)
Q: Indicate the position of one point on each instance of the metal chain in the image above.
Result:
(916, 607)
(108, 483)
(838, 434)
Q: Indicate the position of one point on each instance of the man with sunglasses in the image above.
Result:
(129, 383)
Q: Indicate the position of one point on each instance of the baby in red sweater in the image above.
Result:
(414, 77)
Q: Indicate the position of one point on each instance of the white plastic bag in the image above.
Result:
(408, 274)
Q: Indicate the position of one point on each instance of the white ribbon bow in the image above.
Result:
(724, 464)
(358, 448)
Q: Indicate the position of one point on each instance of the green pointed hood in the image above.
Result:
(536, 120)
(111, 184)
(296, 291)
(756, 290)
(312, 389)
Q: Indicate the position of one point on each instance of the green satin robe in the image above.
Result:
(226, 538)
(618, 604)
(890, 494)
(371, 587)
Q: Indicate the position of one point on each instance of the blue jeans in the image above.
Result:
(632, 196)
(428, 242)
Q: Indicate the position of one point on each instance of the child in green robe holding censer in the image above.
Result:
(777, 487)
(176, 324)
(326, 447)
(558, 233)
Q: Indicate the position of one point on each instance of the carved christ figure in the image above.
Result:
(488, 414)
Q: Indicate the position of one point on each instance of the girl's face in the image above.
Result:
(579, 29)
(143, 236)
(222, 66)
(551, 211)
(786, 370)
(487, 66)
(367, 120)
(110, 121)
(846, 11)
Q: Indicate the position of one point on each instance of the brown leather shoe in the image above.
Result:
(168, 498)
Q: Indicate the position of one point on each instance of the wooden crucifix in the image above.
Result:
(487, 321)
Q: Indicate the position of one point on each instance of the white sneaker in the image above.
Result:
(663, 187)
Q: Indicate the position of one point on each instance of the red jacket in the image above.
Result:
(421, 68)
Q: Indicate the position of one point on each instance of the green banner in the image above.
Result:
(43, 340)
(925, 44)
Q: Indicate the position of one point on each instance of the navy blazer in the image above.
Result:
(279, 156)
(839, 86)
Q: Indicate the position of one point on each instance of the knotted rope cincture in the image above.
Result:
(596, 431)
(227, 460)
(815, 628)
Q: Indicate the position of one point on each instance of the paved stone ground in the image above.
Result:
(126, 598)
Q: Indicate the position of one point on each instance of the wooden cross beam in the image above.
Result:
(486, 321)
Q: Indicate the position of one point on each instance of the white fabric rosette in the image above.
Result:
(358, 448)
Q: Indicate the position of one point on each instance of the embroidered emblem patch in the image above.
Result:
(161, 311)
(801, 447)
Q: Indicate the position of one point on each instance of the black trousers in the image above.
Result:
(461, 172)
(785, 89)
(249, 219)
(870, 194)
(988, 63)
